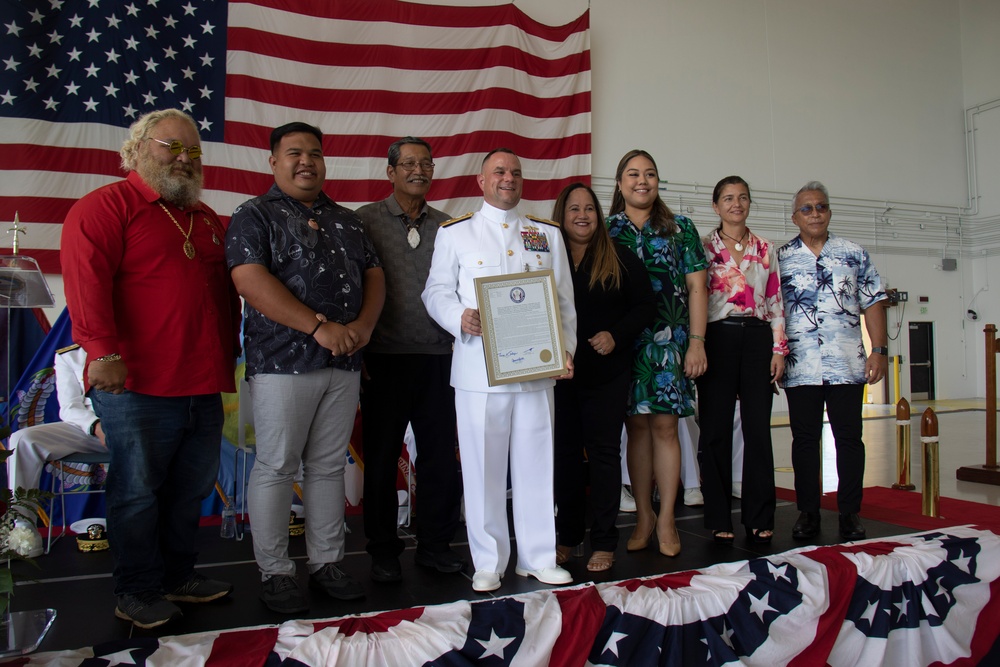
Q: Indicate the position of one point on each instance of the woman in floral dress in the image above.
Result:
(670, 353)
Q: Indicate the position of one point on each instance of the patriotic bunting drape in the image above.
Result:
(912, 600)
(75, 73)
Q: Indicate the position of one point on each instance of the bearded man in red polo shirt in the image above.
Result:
(153, 306)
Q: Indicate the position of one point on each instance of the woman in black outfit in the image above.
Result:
(614, 302)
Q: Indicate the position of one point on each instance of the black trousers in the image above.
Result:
(416, 389)
(739, 364)
(589, 419)
(805, 416)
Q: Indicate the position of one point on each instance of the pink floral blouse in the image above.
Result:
(751, 288)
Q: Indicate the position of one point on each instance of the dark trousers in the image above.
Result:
(739, 364)
(805, 416)
(415, 389)
(164, 462)
(589, 419)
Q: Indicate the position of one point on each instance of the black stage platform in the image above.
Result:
(79, 586)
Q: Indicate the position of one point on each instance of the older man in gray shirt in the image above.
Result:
(408, 363)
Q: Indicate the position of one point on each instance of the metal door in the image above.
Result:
(921, 360)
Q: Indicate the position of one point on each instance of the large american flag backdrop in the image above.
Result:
(912, 600)
(75, 73)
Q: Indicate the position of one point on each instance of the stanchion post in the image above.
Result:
(991, 395)
(931, 491)
(990, 472)
(903, 447)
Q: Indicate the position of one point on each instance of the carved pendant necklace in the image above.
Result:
(188, 246)
(738, 242)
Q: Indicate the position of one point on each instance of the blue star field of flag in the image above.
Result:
(110, 61)
(630, 639)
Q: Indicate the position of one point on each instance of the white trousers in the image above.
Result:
(35, 445)
(494, 428)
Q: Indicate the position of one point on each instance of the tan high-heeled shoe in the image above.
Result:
(638, 543)
(671, 548)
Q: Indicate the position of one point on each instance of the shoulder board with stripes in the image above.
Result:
(543, 221)
(68, 348)
(458, 219)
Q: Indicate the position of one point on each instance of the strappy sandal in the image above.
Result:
(723, 536)
(563, 553)
(760, 535)
(600, 561)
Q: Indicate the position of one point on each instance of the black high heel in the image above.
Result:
(719, 538)
(754, 535)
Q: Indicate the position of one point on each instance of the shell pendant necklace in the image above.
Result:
(738, 242)
(188, 246)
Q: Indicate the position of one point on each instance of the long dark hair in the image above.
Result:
(605, 268)
(661, 218)
(729, 180)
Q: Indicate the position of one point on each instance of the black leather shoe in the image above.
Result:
(807, 526)
(386, 569)
(851, 527)
(442, 561)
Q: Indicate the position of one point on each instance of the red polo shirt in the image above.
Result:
(131, 289)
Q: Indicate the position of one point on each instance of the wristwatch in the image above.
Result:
(884, 351)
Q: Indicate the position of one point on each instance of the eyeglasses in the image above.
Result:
(176, 148)
(411, 165)
(820, 208)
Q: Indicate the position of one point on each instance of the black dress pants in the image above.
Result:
(805, 416)
(415, 389)
(739, 364)
(589, 418)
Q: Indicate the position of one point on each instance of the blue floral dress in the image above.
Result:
(658, 382)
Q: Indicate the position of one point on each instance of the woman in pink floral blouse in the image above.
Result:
(746, 347)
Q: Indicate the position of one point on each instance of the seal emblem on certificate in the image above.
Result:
(522, 331)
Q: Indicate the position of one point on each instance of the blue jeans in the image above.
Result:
(164, 462)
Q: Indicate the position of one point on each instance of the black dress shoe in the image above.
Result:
(851, 527)
(443, 561)
(807, 526)
(386, 569)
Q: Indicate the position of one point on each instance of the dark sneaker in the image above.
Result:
(281, 593)
(146, 609)
(200, 589)
(336, 583)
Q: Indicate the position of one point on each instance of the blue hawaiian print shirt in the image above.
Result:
(824, 297)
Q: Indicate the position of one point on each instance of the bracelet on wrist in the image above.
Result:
(696, 337)
(93, 427)
(316, 328)
(110, 357)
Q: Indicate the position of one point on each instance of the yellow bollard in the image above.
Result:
(895, 375)
(931, 492)
(903, 447)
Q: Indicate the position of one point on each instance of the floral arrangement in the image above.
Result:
(18, 537)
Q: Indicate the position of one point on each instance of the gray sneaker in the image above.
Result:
(146, 609)
(200, 589)
(336, 583)
(281, 593)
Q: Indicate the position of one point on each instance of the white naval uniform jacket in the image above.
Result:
(490, 243)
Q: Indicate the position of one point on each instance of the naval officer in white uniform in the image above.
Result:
(514, 420)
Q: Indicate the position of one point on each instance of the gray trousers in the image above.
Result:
(307, 418)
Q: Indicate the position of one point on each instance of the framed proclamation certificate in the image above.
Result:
(522, 330)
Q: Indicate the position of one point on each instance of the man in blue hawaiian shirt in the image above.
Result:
(827, 283)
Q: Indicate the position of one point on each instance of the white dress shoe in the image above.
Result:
(737, 489)
(555, 576)
(626, 503)
(693, 497)
(484, 581)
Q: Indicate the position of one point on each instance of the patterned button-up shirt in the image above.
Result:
(320, 254)
(824, 297)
